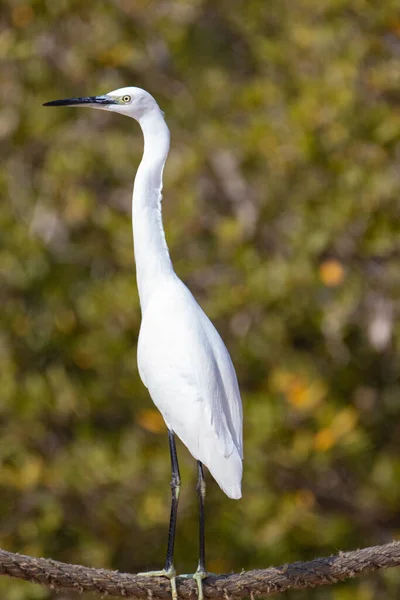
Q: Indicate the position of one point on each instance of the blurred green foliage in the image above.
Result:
(281, 207)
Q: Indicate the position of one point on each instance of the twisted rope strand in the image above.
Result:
(261, 582)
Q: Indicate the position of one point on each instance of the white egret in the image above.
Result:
(182, 359)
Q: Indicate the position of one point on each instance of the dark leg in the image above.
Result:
(201, 490)
(201, 572)
(169, 570)
(175, 489)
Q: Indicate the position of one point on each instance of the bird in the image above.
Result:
(181, 357)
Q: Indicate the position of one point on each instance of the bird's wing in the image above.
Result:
(188, 371)
(222, 376)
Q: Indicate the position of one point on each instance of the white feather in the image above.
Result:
(187, 369)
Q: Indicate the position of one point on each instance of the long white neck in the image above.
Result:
(151, 250)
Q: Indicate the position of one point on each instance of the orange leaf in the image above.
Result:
(331, 272)
(151, 420)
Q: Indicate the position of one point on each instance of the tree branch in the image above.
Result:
(265, 582)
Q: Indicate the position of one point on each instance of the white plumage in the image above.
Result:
(185, 366)
(182, 359)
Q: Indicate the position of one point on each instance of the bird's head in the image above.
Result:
(131, 101)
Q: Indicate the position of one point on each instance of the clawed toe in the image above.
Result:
(170, 574)
(198, 577)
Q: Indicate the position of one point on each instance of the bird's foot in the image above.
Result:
(169, 573)
(198, 577)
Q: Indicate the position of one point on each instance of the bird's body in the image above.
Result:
(182, 360)
(191, 380)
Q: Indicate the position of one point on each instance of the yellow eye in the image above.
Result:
(126, 99)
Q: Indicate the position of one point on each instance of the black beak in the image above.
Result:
(81, 101)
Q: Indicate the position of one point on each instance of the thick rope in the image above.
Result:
(262, 582)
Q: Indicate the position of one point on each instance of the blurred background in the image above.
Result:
(282, 213)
